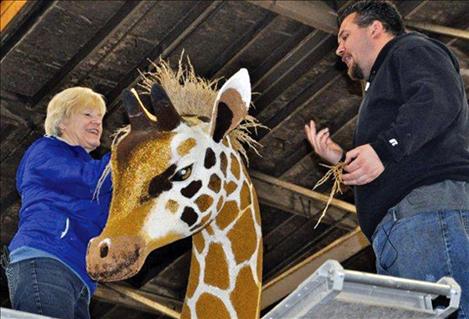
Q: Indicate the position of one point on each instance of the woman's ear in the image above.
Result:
(61, 127)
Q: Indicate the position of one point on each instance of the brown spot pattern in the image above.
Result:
(209, 306)
(210, 158)
(214, 183)
(209, 229)
(230, 187)
(219, 204)
(186, 312)
(245, 196)
(193, 277)
(245, 292)
(204, 202)
(235, 168)
(223, 163)
(191, 189)
(216, 271)
(227, 215)
(246, 174)
(205, 219)
(172, 206)
(186, 146)
(255, 206)
(189, 216)
(243, 238)
(199, 242)
(259, 259)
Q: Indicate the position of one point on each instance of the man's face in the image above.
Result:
(354, 48)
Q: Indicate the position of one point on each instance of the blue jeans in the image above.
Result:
(45, 286)
(426, 246)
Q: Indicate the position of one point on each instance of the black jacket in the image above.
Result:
(415, 116)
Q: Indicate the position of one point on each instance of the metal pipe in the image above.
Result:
(397, 283)
(452, 32)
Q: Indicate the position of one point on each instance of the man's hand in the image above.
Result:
(323, 144)
(363, 166)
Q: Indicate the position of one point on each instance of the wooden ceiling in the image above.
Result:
(288, 48)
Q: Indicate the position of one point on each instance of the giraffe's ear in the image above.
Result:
(231, 105)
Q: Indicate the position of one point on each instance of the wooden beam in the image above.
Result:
(340, 250)
(201, 11)
(120, 294)
(301, 201)
(316, 14)
(434, 28)
(9, 9)
(303, 191)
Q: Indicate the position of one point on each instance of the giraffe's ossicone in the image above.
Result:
(179, 175)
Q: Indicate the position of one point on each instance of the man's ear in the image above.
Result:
(377, 28)
(231, 105)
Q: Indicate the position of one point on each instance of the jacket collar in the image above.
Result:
(66, 142)
(382, 55)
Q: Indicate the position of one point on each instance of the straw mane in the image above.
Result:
(191, 95)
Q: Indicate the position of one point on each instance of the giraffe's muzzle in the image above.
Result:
(112, 259)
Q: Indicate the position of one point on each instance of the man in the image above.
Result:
(410, 161)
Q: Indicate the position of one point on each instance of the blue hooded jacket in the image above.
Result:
(59, 213)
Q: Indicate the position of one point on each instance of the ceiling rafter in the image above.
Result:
(133, 298)
(340, 250)
(316, 14)
(234, 51)
(92, 45)
(299, 200)
(439, 29)
(170, 43)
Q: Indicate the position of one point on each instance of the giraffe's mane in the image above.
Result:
(190, 95)
(194, 95)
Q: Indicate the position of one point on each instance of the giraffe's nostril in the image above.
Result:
(103, 250)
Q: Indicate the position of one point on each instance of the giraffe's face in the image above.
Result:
(167, 186)
(167, 179)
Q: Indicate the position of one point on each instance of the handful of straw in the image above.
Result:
(335, 171)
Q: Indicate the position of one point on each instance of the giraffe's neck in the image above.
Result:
(226, 268)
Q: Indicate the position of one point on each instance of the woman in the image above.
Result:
(61, 209)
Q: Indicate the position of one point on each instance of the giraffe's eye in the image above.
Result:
(182, 174)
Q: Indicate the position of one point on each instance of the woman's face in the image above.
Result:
(83, 128)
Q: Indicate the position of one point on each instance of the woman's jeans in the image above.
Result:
(425, 246)
(45, 286)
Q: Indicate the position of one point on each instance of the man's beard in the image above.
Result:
(355, 72)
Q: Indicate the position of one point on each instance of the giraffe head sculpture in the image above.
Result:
(176, 176)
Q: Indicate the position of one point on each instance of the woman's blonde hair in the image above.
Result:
(70, 101)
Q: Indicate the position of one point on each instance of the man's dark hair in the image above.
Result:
(369, 11)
